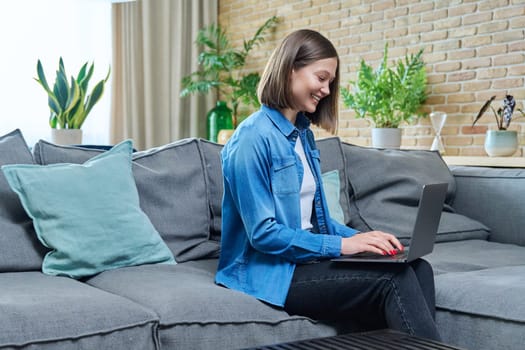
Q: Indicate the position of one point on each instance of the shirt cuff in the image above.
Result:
(332, 246)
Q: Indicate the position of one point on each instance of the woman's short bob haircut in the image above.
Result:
(299, 49)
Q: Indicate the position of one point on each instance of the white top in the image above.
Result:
(307, 188)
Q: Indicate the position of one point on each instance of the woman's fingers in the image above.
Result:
(374, 241)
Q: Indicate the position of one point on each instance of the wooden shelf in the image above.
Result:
(502, 162)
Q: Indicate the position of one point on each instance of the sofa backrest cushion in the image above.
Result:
(88, 214)
(385, 188)
(172, 189)
(20, 249)
(211, 153)
(494, 196)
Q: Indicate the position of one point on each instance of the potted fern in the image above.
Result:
(69, 101)
(389, 96)
(221, 70)
(501, 142)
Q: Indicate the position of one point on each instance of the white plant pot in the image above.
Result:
(501, 143)
(386, 137)
(66, 136)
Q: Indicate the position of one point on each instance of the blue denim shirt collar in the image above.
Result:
(283, 124)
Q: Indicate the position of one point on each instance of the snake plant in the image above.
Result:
(69, 101)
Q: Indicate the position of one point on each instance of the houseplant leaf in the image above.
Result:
(388, 95)
(483, 109)
(68, 101)
(220, 66)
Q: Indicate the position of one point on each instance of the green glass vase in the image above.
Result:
(219, 118)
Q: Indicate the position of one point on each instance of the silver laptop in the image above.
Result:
(423, 235)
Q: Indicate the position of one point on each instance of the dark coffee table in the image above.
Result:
(374, 340)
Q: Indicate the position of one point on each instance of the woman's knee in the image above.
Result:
(422, 266)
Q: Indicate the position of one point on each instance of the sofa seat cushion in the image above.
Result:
(482, 309)
(468, 331)
(49, 312)
(20, 249)
(495, 293)
(471, 255)
(385, 186)
(172, 189)
(195, 313)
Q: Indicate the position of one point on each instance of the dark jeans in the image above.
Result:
(397, 296)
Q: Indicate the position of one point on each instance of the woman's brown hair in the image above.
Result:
(299, 49)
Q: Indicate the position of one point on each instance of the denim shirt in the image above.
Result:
(262, 240)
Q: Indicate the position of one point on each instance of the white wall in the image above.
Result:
(77, 30)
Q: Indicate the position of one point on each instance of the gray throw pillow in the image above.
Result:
(385, 189)
(20, 249)
(172, 189)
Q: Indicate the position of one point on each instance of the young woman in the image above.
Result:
(277, 234)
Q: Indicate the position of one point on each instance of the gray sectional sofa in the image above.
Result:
(479, 257)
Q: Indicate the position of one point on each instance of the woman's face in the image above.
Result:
(311, 83)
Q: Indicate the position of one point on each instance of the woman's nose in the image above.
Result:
(325, 90)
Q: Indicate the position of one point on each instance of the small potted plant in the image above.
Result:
(388, 96)
(69, 101)
(501, 142)
(221, 69)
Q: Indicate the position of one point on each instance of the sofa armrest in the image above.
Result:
(495, 197)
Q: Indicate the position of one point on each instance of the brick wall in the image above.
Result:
(473, 50)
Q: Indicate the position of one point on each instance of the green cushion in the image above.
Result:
(332, 158)
(332, 187)
(88, 214)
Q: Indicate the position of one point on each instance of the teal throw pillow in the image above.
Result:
(332, 190)
(88, 214)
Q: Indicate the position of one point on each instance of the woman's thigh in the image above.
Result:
(328, 289)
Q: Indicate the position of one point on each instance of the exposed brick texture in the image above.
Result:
(473, 50)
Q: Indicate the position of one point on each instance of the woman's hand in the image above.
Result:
(374, 241)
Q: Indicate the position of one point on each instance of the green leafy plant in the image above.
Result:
(504, 113)
(221, 67)
(388, 95)
(69, 100)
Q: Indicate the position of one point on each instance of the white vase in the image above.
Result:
(501, 143)
(386, 137)
(66, 136)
